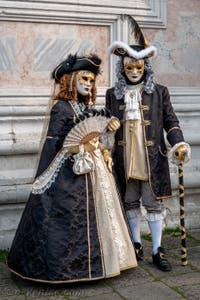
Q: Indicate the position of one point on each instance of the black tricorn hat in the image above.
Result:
(75, 63)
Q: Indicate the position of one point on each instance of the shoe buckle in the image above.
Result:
(162, 255)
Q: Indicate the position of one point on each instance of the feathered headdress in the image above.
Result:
(139, 50)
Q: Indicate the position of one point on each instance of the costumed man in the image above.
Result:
(140, 154)
(73, 220)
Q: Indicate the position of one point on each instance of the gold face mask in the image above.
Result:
(134, 69)
(85, 82)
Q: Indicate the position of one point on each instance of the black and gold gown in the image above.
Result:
(75, 229)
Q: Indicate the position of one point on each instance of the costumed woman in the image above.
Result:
(73, 227)
(140, 154)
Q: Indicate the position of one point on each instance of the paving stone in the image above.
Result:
(181, 280)
(149, 291)
(8, 287)
(131, 277)
(195, 233)
(191, 292)
(144, 282)
(57, 297)
(174, 242)
(4, 271)
(19, 297)
(176, 268)
(110, 296)
(87, 289)
(193, 255)
(35, 289)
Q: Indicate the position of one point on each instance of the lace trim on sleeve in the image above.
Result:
(45, 180)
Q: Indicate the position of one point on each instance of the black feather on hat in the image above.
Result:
(74, 63)
(141, 49)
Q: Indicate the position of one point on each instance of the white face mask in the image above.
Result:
(85, 82)
(134, 69)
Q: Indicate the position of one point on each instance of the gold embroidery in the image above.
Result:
(146, 122)
(121, 143)
(145, 107)
(173, 129)
(97, 65)
(149, 143)
(122, 107)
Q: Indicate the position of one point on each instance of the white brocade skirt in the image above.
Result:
(116, 245)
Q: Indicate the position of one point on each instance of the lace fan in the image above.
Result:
(86, 130)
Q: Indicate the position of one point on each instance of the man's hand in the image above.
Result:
(181, 153)
(114, 124)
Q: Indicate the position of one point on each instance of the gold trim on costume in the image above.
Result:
(149, 143)
(146, 122)
(121, 143)
(72, 280)
(86, 58)
(55, 281)
(162, 153)
(145, 107)
(131, 128)
(122, 107)
(164, 197)
(176, 127)
(146, 150)
(56, 70)
(98, 229)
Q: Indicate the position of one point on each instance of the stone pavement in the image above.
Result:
(142, 283)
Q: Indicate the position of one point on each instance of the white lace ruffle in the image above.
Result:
(152, 217)
(134, 213)
(107, 138)
(45, 180)
(132, 99)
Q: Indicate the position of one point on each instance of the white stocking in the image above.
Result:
(156, 234)
(134, 223)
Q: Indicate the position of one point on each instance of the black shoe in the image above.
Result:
(160, 261)
(139, 251)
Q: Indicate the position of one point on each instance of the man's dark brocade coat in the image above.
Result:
(157, 115)
(57, 237)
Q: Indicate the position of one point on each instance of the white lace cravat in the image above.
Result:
(132, 98)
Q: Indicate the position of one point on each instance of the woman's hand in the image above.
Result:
(74, 149)
(91, 145)
(108, 159)
(109, 164)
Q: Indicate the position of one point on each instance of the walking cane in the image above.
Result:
(182, 216)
